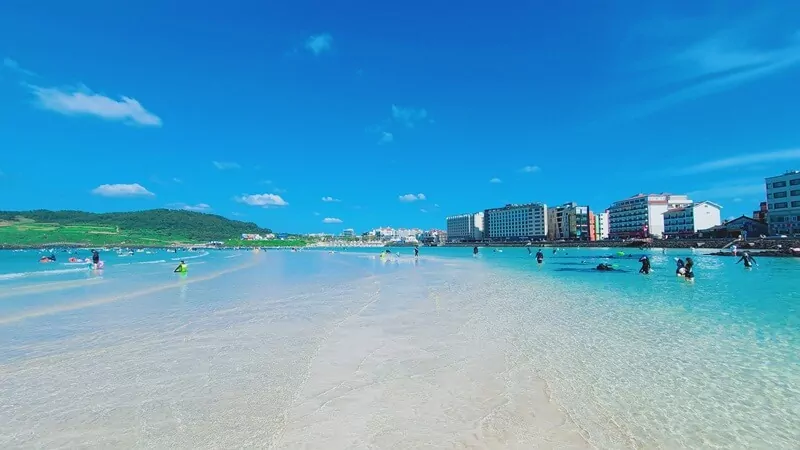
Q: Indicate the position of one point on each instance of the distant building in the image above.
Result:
(257, 237)
(348, 232)
(568, 221)
(783, 203)
(433, 237)
(516, 222)
(465, 227)
(690, 219)
(642, 214)
(601, 226)
(761, 214)
(740, 227)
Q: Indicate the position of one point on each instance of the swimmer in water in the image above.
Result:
(748, 260)
(181, 268)
(689, 266)
(95, 257)
(416, 251)
(539, 256)
(679, 263)
(474, 251)
(604, 267)
(645, 269)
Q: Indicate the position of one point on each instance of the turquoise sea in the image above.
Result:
(343, 349)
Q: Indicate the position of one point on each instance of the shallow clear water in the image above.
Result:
(343, 350)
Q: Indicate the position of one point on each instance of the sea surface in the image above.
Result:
(346, 349)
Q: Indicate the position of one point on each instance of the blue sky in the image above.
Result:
(362, 114)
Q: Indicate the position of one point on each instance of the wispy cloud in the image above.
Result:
(11, 64)
(122, 190)
(278, 190)
(330, 200)
(750, 189)
(386, 138)
(177, 180)
(319, 43)
(495, 180)
(226, 165)
(739, 161)
(331, 220)
(722, 61)
(82, 101)
(316, 213)
(407, 198)
(265, 200)
(200, 207)
(530, 169)
(423, 210)
(409, 116)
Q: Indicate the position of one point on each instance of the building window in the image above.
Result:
(781, 205)
(779, 184)
(795, 192)
(780, 194)
(795, 182)
(796, 204)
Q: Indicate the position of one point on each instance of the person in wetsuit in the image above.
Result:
(416, 251)
(474, 251)
(645, 269)
(680, 265)
(748, 260)
(604, 267)
(539, 256)
(95, 257)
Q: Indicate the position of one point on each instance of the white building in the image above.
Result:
(568, 221)
(516, 222)
(642, 215)
(783, 203)
(465, 227)
(601, 226)
(691, 219)
(348, 232)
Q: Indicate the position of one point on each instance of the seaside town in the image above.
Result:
(641, 216)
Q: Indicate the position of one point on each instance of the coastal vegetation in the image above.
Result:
(158, 227)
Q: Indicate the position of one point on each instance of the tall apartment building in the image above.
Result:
(465, 227)
(691, 219)
(568, 221)
(516, 222)
(601, 225)
(761, 214)
(783, 203)
(642, 214)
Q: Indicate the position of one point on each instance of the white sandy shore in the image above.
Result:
(406, 359)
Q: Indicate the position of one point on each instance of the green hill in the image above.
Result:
(151, 227)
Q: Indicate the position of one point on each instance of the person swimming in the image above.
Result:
(689, 274)
(645, 269)
(604, 267)
(748, 260)
(539, 256)
(474, 251)
(95, 257)
(182, 268)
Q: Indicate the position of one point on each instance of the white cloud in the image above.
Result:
(720, 62)
(331, 220)
(83, 101)
(435, 205)
(265, 200)
(411, 197)
(330, 199)
(742, 160)
(177, 180)
(200, 207)
(9, 63)
(408, 116)
(226, 165)
(530, 169)
(319, 43)
(316, 213)
(122, 190)
(495, 180)
(386, 138)
(423, 210)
